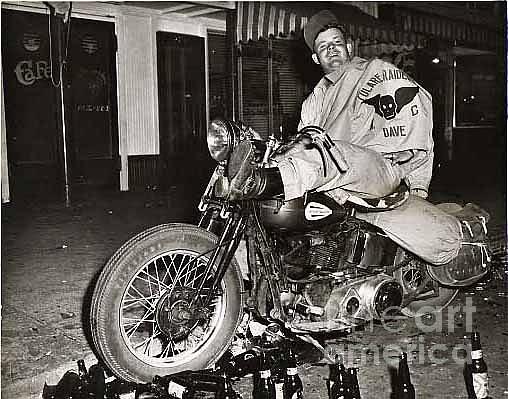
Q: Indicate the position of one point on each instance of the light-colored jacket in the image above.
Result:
(374, 104)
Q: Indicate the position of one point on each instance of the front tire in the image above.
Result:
(141, 294)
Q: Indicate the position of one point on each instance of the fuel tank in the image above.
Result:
(309, 212)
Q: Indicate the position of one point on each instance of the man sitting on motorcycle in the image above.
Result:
(379, 119)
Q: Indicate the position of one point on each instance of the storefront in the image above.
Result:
(135, 92)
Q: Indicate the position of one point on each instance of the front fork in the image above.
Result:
(226, 221)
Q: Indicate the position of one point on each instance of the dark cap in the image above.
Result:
(319, 22)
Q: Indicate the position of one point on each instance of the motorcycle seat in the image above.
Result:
(390, 201)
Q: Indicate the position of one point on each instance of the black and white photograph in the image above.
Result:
(254, 200)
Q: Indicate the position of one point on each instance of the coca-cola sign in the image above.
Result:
(29, 71)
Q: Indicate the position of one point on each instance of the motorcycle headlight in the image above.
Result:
(220, 139)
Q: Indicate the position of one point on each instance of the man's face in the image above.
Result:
(330, 50)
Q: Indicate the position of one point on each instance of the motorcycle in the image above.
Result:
(173, 297)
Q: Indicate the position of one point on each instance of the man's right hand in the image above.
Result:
(419, 192)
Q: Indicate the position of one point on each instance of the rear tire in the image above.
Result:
(148, 281)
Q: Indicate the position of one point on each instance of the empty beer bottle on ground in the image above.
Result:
(354, 386)
(84, 379)
(227, 391)
(240, 365)
(264, 387)
(117, 388)
(332, 377)
(68, 386)
(97, 382)
(468, 380)
(82, 372)
(405, 389)
(478, 368)
(293, 387)
(339, 381)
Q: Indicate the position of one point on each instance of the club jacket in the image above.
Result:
(372, 103)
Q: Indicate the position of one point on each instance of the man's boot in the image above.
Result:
(249, 182)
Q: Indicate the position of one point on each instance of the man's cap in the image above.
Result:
(317, 24)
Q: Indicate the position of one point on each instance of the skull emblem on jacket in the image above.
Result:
(388, 106)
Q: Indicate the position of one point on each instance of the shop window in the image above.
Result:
(478, 86)
(217, 74)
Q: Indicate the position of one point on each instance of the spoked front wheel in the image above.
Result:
(146, 316)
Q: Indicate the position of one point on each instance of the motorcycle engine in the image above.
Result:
(338, 276)
(314, 254)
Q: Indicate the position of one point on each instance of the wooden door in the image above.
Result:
(182, 108)
(31, 106)
(91, 104)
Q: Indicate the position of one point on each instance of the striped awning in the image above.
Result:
(446, 28)
(256, 20)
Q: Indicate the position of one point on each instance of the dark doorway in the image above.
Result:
(182, 109)
(33, 108)
(92, 106)
(434, 77)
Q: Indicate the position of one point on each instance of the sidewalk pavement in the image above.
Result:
(51, 255)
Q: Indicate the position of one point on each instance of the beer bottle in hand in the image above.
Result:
(293, 387)
(478, 368)
(406, 390)
(264, 388)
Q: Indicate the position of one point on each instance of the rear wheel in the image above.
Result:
(145, 318)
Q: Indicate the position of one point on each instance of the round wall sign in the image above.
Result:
(89, 44)
(31, 41)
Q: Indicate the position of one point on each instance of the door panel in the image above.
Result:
(92, 103)
(33, 107)
(31, 116)
(182, 107)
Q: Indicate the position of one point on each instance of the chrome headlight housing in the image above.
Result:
(221, 138)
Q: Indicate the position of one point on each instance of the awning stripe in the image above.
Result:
(442, 27)
(303, 22)
(292, 22)
(261, 19)
(266, 20)
(280, 27)
(286, 24)
(250, 19)
(239, 20)
(271, 21)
